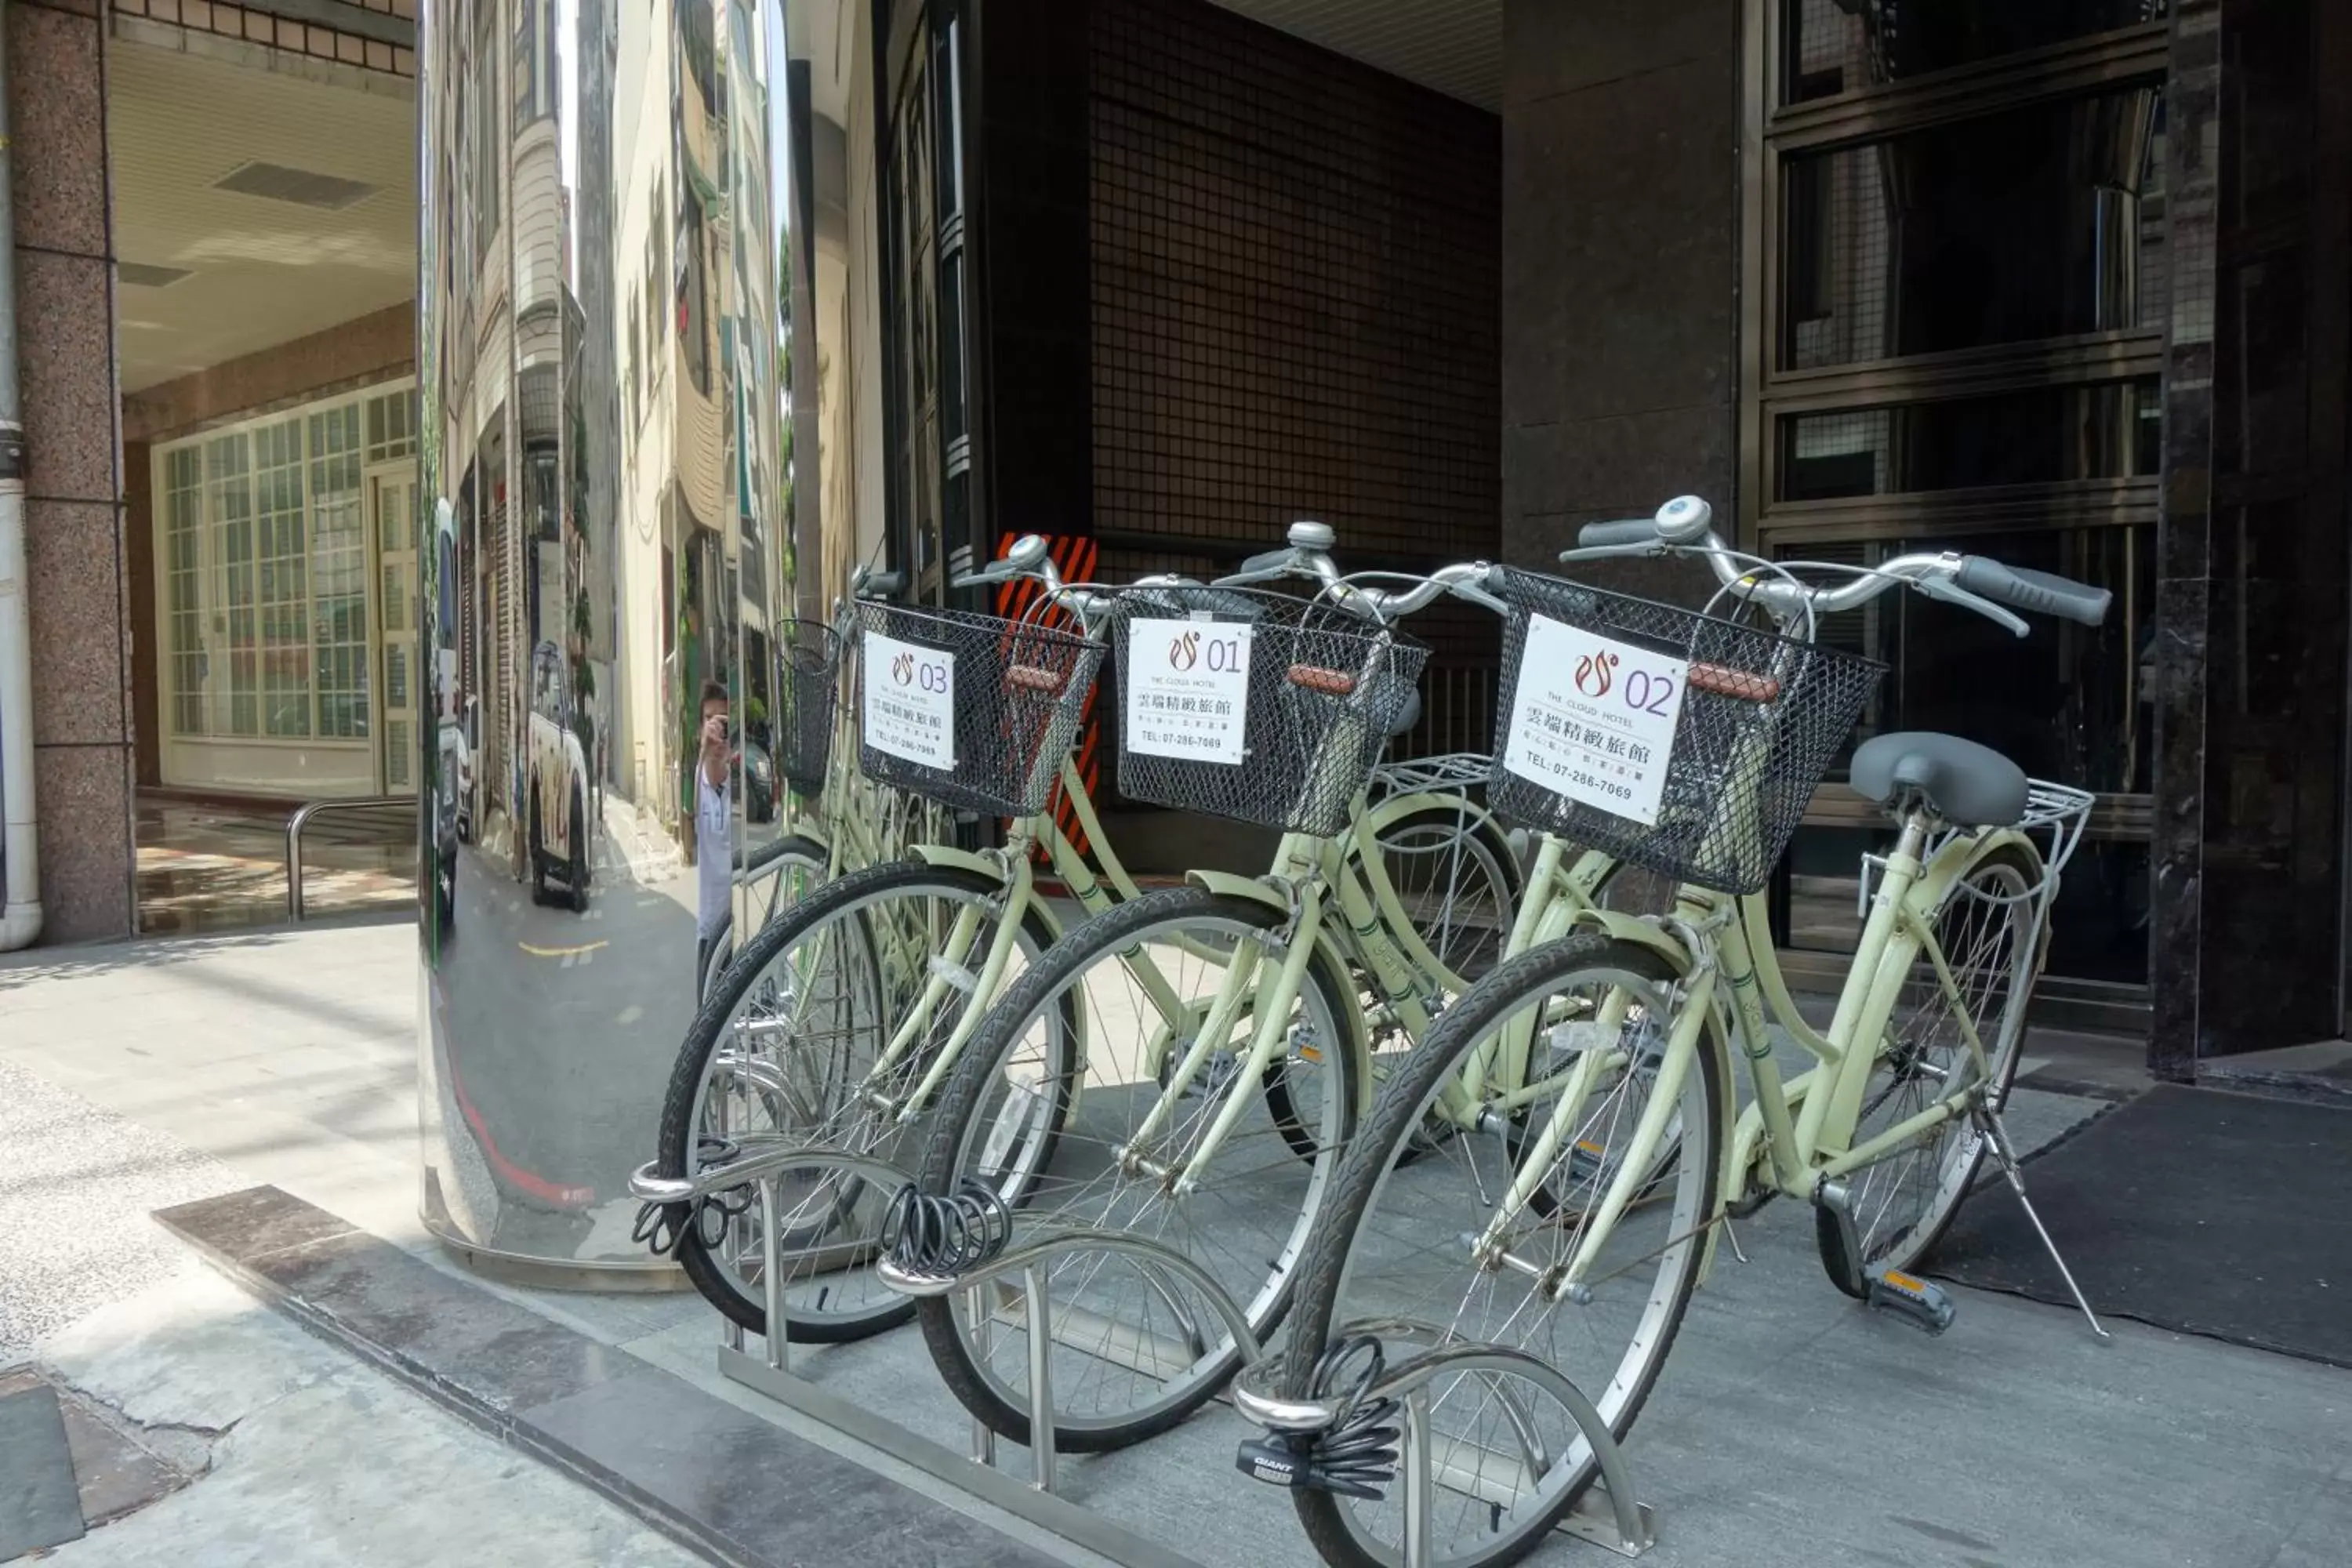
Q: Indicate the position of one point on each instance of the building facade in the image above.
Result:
(2067, 281)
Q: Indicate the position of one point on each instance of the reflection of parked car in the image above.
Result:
(558, 785)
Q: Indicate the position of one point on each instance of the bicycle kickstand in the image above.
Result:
(1989, 1124)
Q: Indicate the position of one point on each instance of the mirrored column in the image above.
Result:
(605, 480)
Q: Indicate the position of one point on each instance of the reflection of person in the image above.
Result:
(714, 823)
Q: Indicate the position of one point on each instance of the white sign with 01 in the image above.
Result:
(1188, 690)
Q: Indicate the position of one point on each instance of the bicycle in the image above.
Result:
(1225, 1088)
(1597, 1160)
(834, 819)
(840, 1020)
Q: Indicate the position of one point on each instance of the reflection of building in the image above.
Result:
(680, 527)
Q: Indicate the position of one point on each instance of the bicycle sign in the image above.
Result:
(1593, 719)
(1188, 690)
(910, 701)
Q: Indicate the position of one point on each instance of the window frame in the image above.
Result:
(210, 566)
(1773, 133)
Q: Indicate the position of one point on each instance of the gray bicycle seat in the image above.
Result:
(1967, 784)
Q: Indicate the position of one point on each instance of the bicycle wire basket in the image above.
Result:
(1318, 690)
(1760, 718)
(969, 709)
(808, 687)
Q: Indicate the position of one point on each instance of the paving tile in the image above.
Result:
(697, 1457)
(39, 1506)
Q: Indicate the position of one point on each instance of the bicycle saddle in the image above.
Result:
(1967, 784)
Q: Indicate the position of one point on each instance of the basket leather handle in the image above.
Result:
(1032, 677)
(1725, 682)
(1315, 677)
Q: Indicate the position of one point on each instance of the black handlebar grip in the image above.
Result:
(883, 585)
(1603, 535)
(2044, 593)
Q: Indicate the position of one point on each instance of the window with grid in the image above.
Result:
(1963, 317)
(183, 555)
(228, 489)
(268, 564)
(340, 571)
(392, 426)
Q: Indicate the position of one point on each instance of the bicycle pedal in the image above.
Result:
(1918, 1301)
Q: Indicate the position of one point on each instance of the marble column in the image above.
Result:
(75, 565)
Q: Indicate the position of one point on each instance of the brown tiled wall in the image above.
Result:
(73, 514)
(259, 27)
(367, 349)
(1295, 282)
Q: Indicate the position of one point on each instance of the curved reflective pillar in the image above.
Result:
(603, 489)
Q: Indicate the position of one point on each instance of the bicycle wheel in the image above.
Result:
(1903, 1204)
(789, 1051)
(1416, 1248)
(1134, 1348)
(774, 877)
(1456, 880)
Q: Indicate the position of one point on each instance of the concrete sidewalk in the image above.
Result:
(1792, 1430)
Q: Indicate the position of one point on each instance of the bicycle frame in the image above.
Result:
(1799, 1131)
(1314, 880)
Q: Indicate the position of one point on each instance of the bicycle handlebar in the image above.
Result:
(1976, 583)
(2044, 593)
(1308, 555)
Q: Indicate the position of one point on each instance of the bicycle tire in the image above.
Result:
(1373, 1162)
(798, 847)
(1105, 937)
(865, 888)
(1494, 848)
(1904, 1251)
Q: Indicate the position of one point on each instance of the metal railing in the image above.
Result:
(301, 819)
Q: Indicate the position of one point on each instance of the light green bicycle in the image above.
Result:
(1232, 1029)
(1590, 1077)
(842, 1018)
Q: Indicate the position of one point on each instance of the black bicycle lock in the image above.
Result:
(1355, 1455)
(663, 1228)
(944, 1236)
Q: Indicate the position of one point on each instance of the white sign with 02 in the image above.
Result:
(1593, 719)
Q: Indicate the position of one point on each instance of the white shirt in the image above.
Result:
(714, 852)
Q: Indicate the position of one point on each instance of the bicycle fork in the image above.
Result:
(1269, 1025)
(1633, 1166)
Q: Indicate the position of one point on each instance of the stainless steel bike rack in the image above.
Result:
(1628, 1528)
(1622, 1525)
(301, 819)
(1028, 1260)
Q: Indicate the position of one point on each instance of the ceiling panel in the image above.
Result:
(268, 263)
(1452, 47)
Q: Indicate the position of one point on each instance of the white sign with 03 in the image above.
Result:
(909, 709)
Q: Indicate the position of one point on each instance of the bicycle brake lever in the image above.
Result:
(1951, 593)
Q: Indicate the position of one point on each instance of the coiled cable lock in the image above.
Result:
(1354, 1456)
(664, 1227)
(945, 1235)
